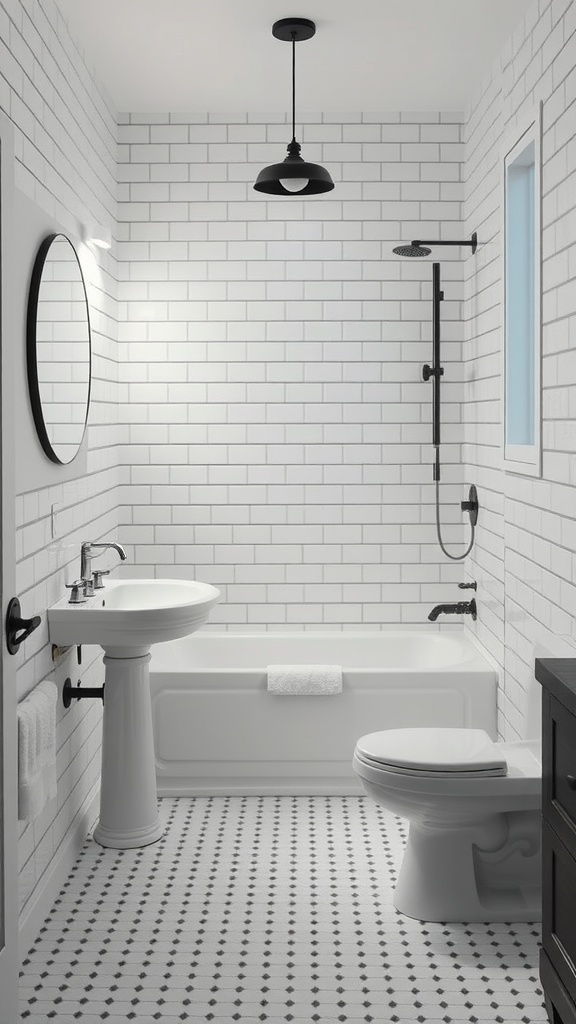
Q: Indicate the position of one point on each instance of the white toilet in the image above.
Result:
(473, 851)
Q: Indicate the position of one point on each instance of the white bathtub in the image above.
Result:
(218, 730)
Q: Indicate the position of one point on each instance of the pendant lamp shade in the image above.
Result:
(309, 179)
(294, 176)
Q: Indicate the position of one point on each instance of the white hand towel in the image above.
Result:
(37, 750)
(318, 680)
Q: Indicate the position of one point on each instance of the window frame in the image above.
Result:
(524, 459)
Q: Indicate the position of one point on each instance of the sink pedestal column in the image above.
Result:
(128, 801)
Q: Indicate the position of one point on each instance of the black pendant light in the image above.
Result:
(294, 176)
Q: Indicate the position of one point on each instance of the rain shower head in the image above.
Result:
(412, 250)
(418, 248)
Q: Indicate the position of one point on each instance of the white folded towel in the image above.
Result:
(37, 750)
(319, 680)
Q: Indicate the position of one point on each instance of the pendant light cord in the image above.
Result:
(293, 87)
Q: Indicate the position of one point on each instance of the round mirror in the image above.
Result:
(58, 349)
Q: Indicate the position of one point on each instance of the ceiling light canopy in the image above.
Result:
(294, 176)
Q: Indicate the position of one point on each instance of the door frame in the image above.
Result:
(9, 340)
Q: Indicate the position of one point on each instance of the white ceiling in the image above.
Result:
(220, 55)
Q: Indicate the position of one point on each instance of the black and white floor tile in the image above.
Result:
(266, 910)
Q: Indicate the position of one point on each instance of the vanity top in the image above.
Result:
(558, 675)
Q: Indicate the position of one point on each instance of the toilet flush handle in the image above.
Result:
(571, 780)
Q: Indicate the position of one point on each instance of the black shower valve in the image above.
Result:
(472, 505)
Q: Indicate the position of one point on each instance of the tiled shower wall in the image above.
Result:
(65, 146)
(276, 426)
(524, 558)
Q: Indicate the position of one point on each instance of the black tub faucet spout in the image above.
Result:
(459, 608)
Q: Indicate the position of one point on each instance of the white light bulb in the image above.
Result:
(294, 184)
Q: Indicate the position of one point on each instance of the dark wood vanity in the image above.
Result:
(558, 954)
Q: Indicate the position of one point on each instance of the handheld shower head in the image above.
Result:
(412, 250)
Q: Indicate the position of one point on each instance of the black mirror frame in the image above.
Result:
(31, 342)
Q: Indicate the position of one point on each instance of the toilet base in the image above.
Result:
(485, 872)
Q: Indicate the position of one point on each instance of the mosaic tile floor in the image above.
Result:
(264, 911)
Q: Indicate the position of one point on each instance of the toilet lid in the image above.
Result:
(433, 750)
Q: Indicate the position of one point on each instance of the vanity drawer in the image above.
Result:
(559, 769)
(559, 900)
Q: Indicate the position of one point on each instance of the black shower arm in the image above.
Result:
(420, 241)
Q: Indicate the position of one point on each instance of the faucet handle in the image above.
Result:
(97, 576)
(75, 597)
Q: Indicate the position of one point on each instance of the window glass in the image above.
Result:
(521, 389)
(520, 298)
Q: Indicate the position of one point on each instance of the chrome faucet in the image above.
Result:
(92, 579)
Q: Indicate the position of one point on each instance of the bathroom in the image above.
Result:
(258, 423)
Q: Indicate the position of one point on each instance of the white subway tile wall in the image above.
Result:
(65, 143)
(275, 423)
(525, 556)
(259, 414)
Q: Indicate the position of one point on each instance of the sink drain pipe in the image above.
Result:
(70, 693)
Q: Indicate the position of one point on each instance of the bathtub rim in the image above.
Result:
(478, 659)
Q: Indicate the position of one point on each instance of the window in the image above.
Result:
(522, 327)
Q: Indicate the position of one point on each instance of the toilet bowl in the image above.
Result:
(473, 850)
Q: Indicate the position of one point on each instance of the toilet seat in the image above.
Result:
(433, 753)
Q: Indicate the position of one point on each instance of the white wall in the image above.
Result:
(524, 558)
(65, 140)
(276, 425)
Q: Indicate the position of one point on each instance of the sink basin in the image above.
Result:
(133, 613)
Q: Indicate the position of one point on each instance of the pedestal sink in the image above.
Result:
(125, 618)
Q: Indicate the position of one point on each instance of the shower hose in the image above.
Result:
(455, 558)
